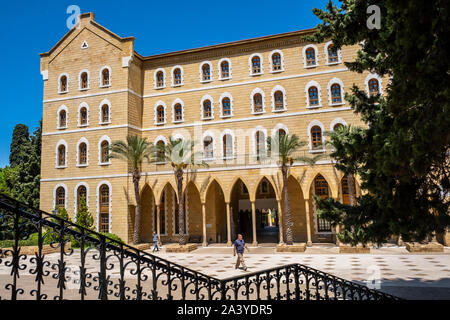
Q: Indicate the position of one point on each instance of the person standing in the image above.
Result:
(239, 246)
(155, 240)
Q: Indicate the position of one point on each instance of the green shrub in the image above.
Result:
(76, 244)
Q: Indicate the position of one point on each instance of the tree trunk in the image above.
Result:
(179, 179)
(351, 188)
(137, 216)
(287, 209)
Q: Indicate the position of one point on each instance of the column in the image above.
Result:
(205, 242)
(255, 242)
(280, 221)
(308, 223)
(228, 224)
(158, 223)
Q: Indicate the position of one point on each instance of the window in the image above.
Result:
(63, 84)
(61, 156)
(279, 100)
(316, 137)
(178, 112)
(208, 148)
(225, 70)
(260, 144)
(313, 94)
(84, 81)
(82, 154)
(227, 142)
(321, 190)
(264, 187)
(62, 119)
(226, 107)
(206, 72)
(281, 133)
(374, 87)
(81, 192)
(258, 103)
(104, 208)
(336, 94)
(337, 126)
(177, 77)
(105, 78)
(207, 109)
(105, 113)
(310, 57)
(160, 114)
(104, 152)
(83, 116)
(256, 65)
(345, 190)
(276, 62)
(160, 79)
(60, 202)
(159, 150)
(332, 54)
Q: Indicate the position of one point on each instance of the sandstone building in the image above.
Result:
(228, 97)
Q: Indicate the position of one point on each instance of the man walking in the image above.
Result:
(238, 247)
(155, 240)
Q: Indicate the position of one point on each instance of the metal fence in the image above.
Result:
(103, 268)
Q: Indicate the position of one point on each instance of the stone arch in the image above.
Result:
(216, 216)
(258, 182)
(147, 214)
(332, 183)
(297, 208)
(220, 183)
(240, 209)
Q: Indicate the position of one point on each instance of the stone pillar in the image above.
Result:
(228, 224)
(255, 242)
(308, 223)
(280, 221)
(158, 223)
(205, 241)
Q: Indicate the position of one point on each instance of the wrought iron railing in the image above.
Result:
(103, 268)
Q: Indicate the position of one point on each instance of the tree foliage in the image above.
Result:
(20, 136)
(83, 217)
(402, 155)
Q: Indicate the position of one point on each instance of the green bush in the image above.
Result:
(76, 244)
(31, 241)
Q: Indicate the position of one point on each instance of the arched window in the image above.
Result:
(276, 62)
(207, 109)
(337, 126)
(84, 80)
(83, 116)
(178, 112)
(332, 54)
(159, 150)
(82, 153)
(208, 148)
(256, 65)
(160, 79)
(62, 119)
(345, 190)
(336, 93)
(281, 133)
(160, 114)
(313, 94)
(105, 78)
(321, 190)
(62, 155)
(81, 192)
(316, 137)
(105, 113)
(104, 208)
(260, 141)
(258, 102)
(227, 142)
(60, 198)
(63, 87)
(177, 77)
(374, 87)
(310, 57)
(279, 100)
(206, 72)
(104, 152)
(226, 107)
(225, 70)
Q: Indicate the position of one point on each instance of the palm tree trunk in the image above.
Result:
(179, 179)
(137, 217)
(287, 209)
(351, 188)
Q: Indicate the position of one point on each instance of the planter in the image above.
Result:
(32, 250)
(177, 248)
(296, 247)
(424, 247)
(345, 248)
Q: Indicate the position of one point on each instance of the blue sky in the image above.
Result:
(32, 27)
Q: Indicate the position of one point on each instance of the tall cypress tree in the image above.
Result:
(19, 138)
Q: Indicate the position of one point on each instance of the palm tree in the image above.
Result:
(134, 151)
(283, 148)
(180, 154)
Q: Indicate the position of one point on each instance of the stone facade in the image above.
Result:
(237, 195)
